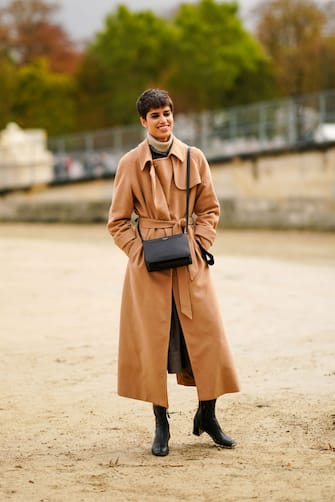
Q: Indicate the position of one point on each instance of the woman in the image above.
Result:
(170, 320)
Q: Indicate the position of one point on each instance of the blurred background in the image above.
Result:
(253, 85)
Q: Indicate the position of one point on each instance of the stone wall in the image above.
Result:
(283, 190)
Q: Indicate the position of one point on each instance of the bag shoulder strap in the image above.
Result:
(187, 185)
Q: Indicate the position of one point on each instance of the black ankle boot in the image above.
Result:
(160, 446)
(205, 421)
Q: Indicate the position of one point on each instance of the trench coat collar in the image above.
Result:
(178, 149)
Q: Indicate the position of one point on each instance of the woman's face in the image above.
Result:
(159, 122)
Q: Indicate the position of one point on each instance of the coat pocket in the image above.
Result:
(135, 248)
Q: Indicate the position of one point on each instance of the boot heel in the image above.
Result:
(197, 431)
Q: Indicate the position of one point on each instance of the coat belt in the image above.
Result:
(183, 276)
(152, 223)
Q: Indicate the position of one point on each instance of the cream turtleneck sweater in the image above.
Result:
(160, 147)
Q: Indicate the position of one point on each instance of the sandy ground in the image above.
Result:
(65, 434)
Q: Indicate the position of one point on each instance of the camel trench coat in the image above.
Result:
(155, 191)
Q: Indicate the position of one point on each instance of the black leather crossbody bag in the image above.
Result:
(170, 251)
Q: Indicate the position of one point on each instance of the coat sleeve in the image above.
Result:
(207, 207)
(121, 210)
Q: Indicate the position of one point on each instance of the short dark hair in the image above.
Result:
(153, 98)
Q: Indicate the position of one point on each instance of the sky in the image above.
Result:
(82, 19)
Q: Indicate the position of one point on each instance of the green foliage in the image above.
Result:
(130, 54)
(32, 50)
(43, 99)
(202, 55)
(218, 62)
(7, 90)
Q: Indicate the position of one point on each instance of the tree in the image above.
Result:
(43, 99)
(218, 62)
(202, 55)
(35, 54)
(27, 32)
(7, 90)
(131, 54)
(327, 63)
(299, 37)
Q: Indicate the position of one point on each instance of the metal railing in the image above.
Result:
(264, 126)
(271, 125)
(257, 127)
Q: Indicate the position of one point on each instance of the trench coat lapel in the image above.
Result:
(158, 194)
(178, 153)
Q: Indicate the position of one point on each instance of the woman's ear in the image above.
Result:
(143, 122)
